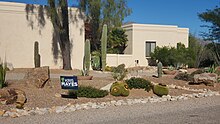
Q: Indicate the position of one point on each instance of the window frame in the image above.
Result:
(149, 42)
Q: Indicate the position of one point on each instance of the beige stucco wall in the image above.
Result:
(17, 38)
(163, 35)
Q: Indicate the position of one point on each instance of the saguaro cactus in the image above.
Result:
(86, 62)
(159, 69)
(36, 54)
(104, 46)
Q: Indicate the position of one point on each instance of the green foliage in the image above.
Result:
(119, 89)
(99, 12)
(86, 60)
(119, 72)
(3, 69)
(170, 56)
(117, 40)
(162, 54)
(212, 17)
(139, 83)
(194, 51)
(114, 12)
(104, 46)
(161, 90)
(36, 54)
(91, 92)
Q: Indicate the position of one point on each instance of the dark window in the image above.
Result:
(149, 47)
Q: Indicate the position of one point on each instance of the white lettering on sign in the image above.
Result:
(69, 82)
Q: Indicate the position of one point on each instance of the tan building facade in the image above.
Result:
(143, 38)
(19, 30)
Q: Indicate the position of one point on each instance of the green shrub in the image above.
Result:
(119, 89)
(91, 92)
(161, 90)
(139, 83)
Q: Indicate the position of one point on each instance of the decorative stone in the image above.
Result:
(2, 112)
(206, 78)
(38, 77)
(7, 96)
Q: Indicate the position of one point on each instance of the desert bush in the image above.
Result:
(91, 92)
(119, 89)
(139, 83)
(119, 72)
(160, 89)
(183, 76)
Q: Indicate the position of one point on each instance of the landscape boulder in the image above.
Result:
(10, 96)
(38, 77)
(206, 78)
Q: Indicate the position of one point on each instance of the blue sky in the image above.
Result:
(167, 12)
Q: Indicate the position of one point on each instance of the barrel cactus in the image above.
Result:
(119, 89)
(160, 89)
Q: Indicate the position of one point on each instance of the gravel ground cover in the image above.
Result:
(49, 96)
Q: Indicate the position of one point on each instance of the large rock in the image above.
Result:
(21, 97)
(10, 96)
(7, 96)
(38, 77)
(206, 78)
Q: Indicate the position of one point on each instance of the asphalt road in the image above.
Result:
(193, 111)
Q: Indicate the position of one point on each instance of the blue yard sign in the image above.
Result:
(69, 82)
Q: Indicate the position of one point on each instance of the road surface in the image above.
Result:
(193, 111)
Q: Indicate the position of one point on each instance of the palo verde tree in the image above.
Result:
(58, 10)
(213, 17)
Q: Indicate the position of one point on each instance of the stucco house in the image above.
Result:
(19, 30)
(142, 40)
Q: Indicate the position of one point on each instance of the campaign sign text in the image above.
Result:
(69, 82)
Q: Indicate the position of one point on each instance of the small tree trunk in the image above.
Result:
(66, 58)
